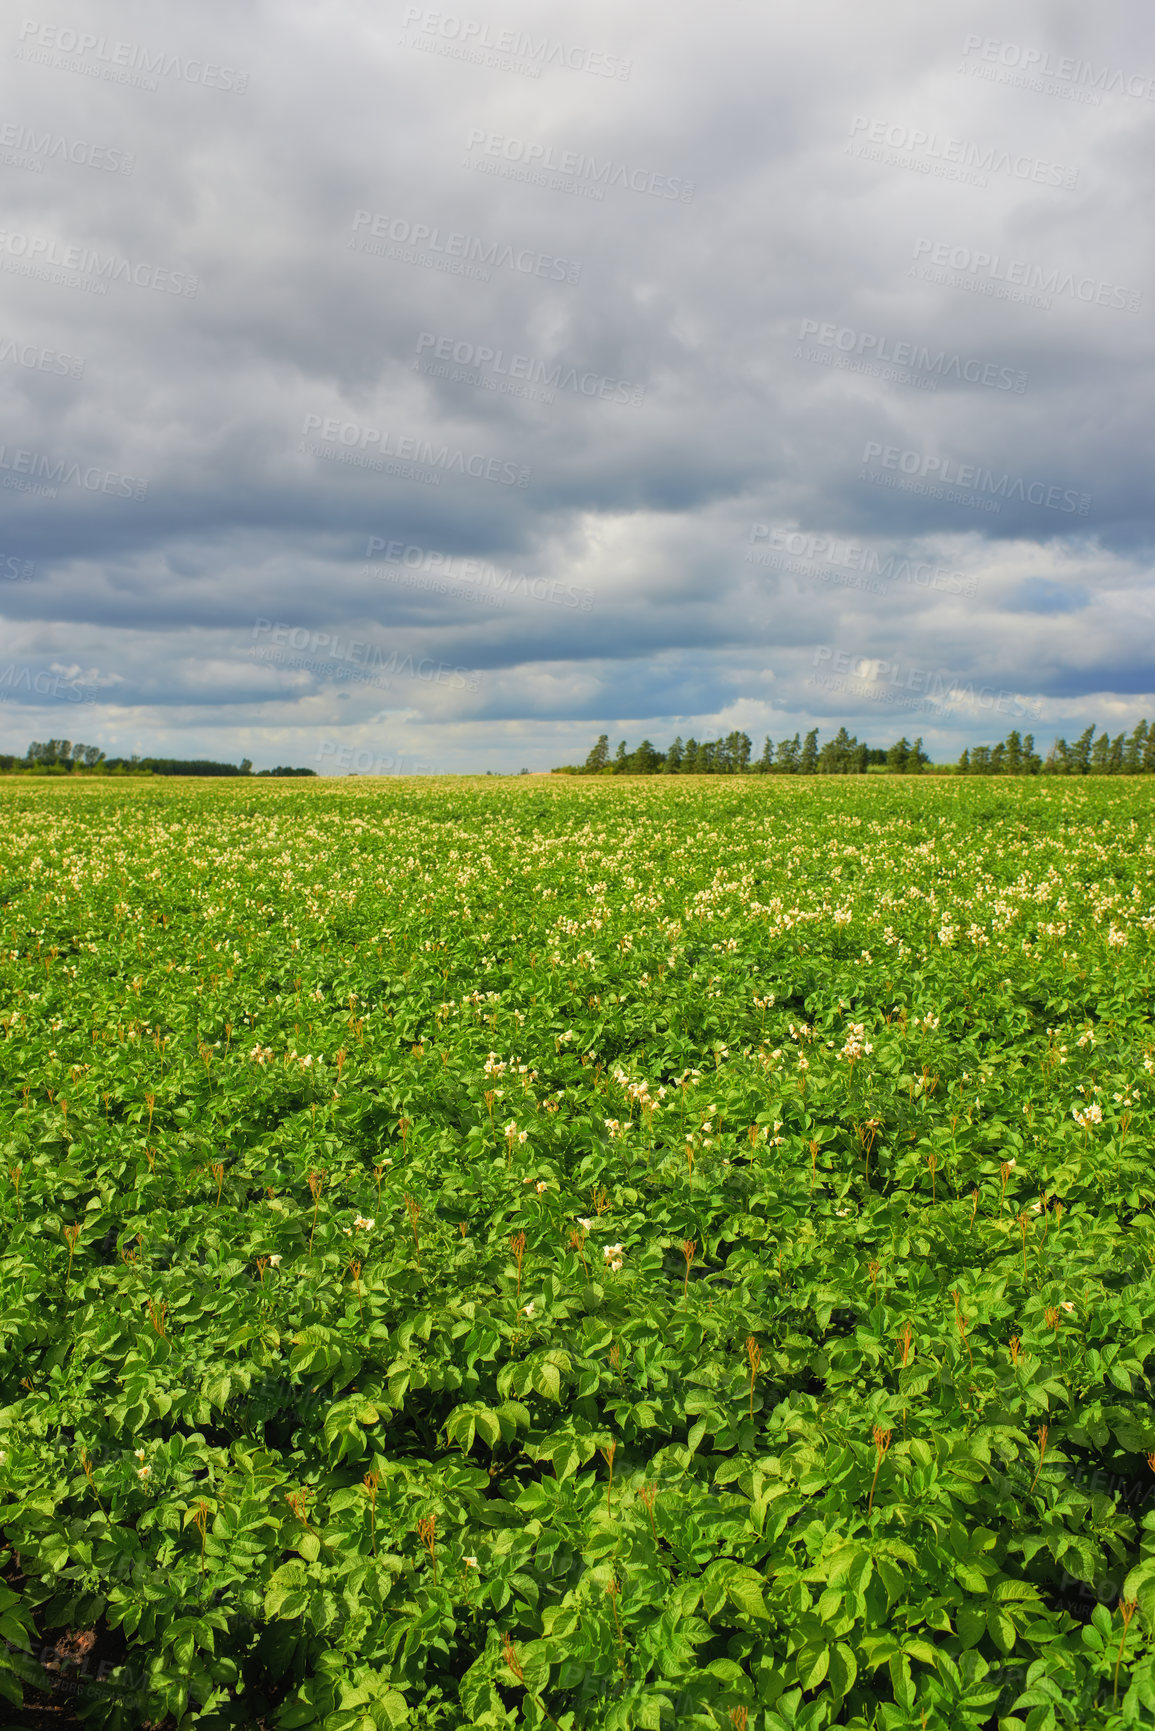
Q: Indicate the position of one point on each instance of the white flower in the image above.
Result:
(363, 1223)
(143, 1472)
(276, 1261)
(542, 1185)
(139, 1454)
(470, 1562)
(584, 1223)
(1066, 1305)
(529, 1308)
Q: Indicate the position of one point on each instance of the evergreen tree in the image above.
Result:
(1081, 752)
(808, 762)
(690, 758)
(766, 761)
(620, 758)
(898, 756)
(964, 762)
(835, 756)
(599, 756)
(672, 761)
(1133, 753)
(646, 760)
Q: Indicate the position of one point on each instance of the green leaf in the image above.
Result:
(1001, 1629)
(744, 1591)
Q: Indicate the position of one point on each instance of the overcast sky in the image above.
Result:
(389, 387)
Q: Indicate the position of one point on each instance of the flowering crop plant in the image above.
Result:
(595, 1254)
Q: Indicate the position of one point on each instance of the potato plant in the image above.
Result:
(610, 1255)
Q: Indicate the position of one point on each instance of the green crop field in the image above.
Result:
(526, 1253)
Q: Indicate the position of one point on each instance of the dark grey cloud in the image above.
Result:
(747, 371)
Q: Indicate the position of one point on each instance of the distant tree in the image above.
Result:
(672, 762)
(1133, 752)
(897, 757)
(620, 757)
(1081, 752)
(1059, 759)
(1014, 753)
(789, 755)
(808, 762)
(599, 756)
(766, 761)
(964, 762)
(690, 758)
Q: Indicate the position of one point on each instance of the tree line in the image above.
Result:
(62, 757)
(1125, 754)
(842, 755)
